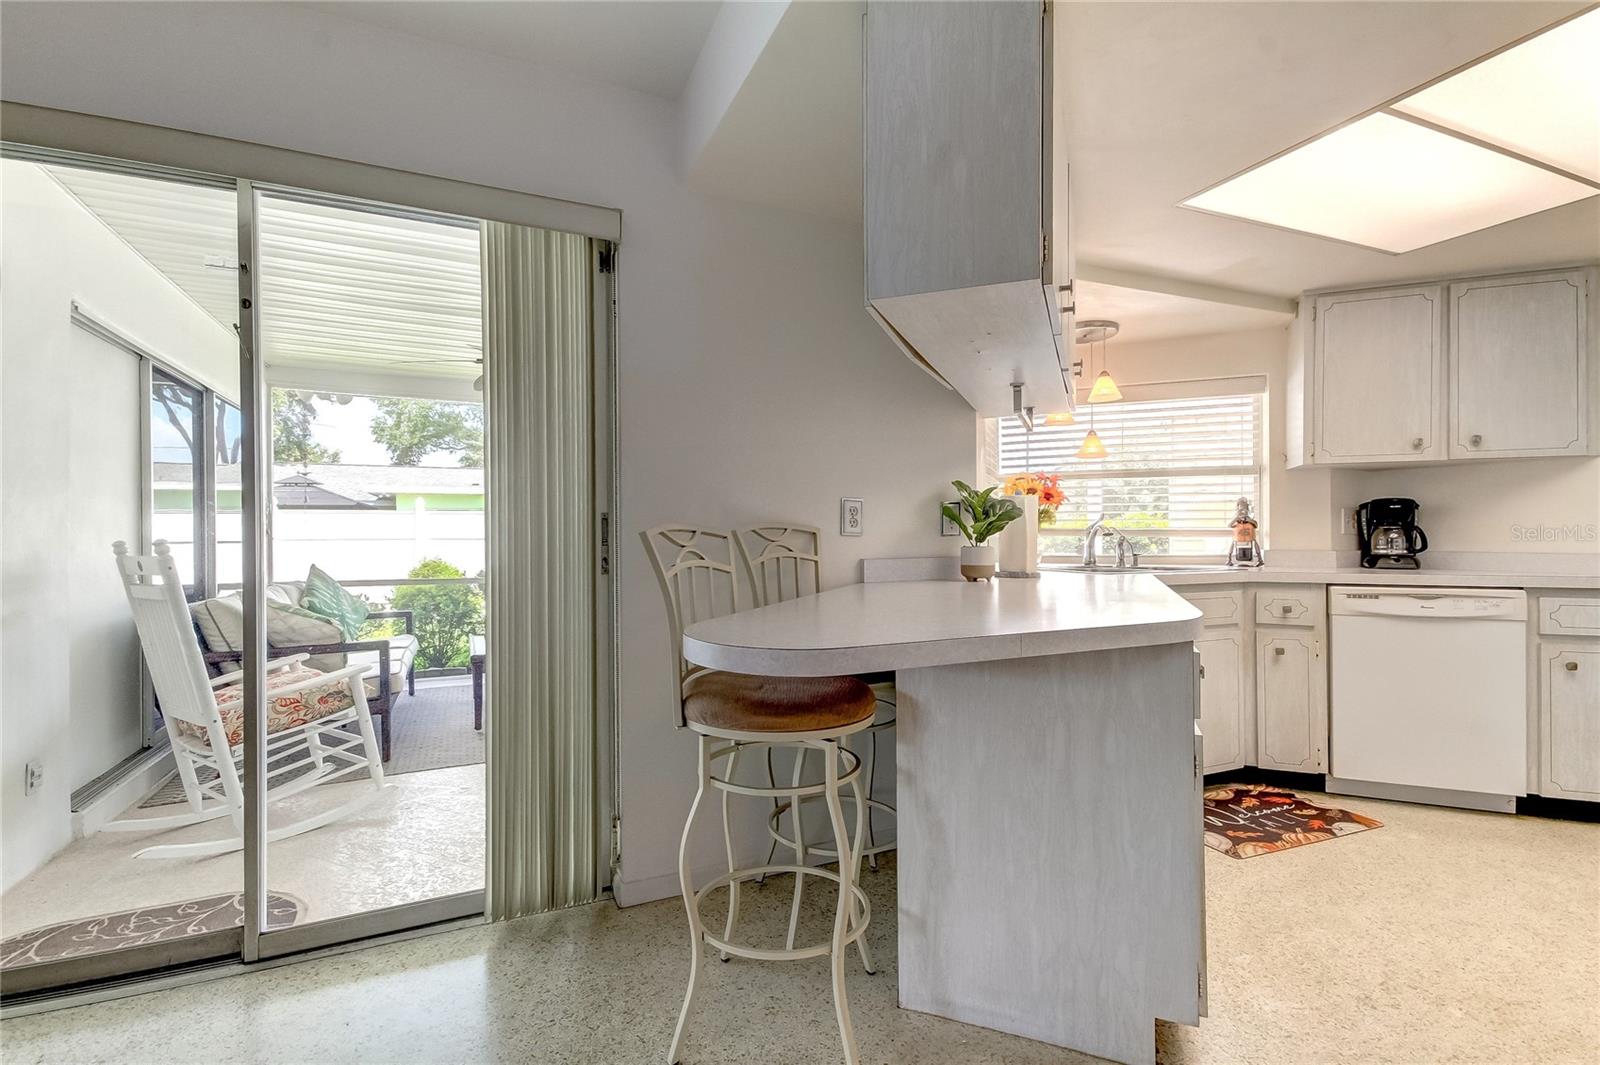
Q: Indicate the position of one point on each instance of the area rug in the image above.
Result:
(1244, 820)
(137, 928)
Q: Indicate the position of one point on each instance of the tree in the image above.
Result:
(293, 415)
(443, 615)
(412, 429)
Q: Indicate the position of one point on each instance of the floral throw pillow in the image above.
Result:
(324, 596)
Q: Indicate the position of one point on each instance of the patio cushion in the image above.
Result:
(221, 622)
(285, 711)
(402, 652)
(324, 596)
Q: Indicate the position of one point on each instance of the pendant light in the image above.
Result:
(1061, 418)
(1098, 331)
(1105, 390)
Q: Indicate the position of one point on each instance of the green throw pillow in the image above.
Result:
(324, 596)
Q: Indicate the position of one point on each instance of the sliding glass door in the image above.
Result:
(308, 533)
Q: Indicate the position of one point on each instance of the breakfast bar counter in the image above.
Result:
(1048, 791)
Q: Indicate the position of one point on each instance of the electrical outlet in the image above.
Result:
(1347, 521)
(33, 778)
(852, 522)
(946, 526)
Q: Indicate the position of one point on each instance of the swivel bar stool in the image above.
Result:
(783, 561)
(732, 714)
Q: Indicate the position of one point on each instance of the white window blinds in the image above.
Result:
(1173, 469)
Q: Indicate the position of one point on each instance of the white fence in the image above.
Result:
(353, 545)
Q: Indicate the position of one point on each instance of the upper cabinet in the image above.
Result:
(1519, 375)
(1378, 374)
(1494, 367)
(962, 238)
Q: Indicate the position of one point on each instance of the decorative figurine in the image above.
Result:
(1245, 550)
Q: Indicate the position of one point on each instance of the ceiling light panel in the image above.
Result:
(1386, 183)
(1540, 98)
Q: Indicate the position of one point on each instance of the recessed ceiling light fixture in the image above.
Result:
(1508, 135)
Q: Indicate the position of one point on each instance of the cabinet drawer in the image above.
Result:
(1294, 606)
(1219, 608)
(1569, 615)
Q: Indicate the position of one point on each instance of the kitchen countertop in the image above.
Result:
(1269, 574)
(863, 628)
(1470, 571)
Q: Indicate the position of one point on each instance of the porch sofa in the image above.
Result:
(291, 630)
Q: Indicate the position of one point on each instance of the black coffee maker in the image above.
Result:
(1389, 534)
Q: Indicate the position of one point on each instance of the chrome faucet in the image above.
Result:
(1091, 539)
(1127, 557)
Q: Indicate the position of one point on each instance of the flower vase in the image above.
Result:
(1019, 541)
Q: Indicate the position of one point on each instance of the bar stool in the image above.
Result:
(784, 561)
(731, 714)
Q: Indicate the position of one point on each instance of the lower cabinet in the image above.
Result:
(1569, 718)
(1291, 700)
(1263, 676)
(1222, 705)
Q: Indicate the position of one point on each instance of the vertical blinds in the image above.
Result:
(1175, 465)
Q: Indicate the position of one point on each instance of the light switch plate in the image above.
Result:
(946, 526)
(851, 519)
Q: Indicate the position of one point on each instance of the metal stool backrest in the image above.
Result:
(782, 561)
(695, 568)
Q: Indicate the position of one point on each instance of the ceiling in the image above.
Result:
(1146, 315)
(648, 45)
(1164, 99)
(342, 290)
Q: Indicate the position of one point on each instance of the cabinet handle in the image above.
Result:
(1286, 608)
(1572, 667)
(1475, 439)
(1277, 650)
(1203, 672)
(1416, 444)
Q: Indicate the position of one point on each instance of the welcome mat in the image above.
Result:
(137, 928)
(1244, 820)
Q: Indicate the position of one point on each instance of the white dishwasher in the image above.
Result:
(1427, 694)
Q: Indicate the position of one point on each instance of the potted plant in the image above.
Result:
(984, 515)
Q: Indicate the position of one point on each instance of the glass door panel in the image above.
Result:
(117, 334)
(370, 329)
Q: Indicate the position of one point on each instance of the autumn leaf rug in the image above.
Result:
(1244, 820)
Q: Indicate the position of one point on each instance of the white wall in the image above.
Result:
(752, 386)
(69, 468)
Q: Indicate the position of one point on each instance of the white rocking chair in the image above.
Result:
(311, 729)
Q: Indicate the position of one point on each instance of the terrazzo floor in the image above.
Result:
(1446, 936)
(418, 839)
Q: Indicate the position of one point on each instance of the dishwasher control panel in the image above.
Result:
(1413, 602)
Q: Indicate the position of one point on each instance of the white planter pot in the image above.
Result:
(978, 563)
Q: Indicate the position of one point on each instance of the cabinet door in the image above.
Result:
(1378, 375)
(1569, 698)
(1222, 701)
(1291, 701)
(1518, 372)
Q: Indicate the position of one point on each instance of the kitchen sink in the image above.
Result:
(1198, 567)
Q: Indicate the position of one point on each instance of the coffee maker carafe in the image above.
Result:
(1389, 534)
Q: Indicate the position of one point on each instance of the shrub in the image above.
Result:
(444, 615)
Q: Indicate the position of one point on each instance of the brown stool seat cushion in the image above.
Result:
(740, 702)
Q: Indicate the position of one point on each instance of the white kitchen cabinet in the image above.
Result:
(1519, 373)
(966, 233)
(1569, 718)
(1222, 705)
(1291, 700)
(1377, 378)
(1469, 369)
